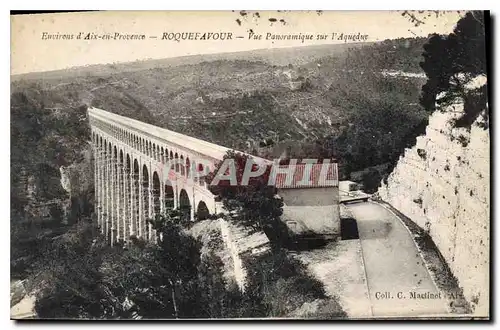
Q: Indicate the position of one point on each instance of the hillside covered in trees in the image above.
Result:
(329, 101)
(240, 103)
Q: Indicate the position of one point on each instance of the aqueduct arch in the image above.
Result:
(184, 203)
(169, 195)
(156, 194)
(202, 211)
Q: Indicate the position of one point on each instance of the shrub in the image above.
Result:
(371, 180)
(463, 141)
(279, 284)
(422, 153)
(254, 204)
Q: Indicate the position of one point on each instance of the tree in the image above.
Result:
(70, 283)
(450, 62)
(161, 279)
(90, 279)
(217, 298)
(253, 203)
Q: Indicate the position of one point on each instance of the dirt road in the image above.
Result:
(398, 281)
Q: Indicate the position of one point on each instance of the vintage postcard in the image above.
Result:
(250, 165)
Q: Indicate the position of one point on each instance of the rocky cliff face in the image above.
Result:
(78, 177)
(443, 185)
(77, 180)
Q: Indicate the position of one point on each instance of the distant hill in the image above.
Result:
(275, 56)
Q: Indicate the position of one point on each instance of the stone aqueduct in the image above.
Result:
(130, 180)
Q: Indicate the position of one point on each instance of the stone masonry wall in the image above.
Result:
(443, 185)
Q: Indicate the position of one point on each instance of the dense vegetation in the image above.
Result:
(169, 279)
(165, 280)
(42, 141)
(253, 203)
(451, 62)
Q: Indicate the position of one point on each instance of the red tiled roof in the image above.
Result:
(313, 176)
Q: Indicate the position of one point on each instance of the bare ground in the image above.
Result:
(339, 266)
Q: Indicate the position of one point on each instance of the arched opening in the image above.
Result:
(162, 155)
(202, 212)
(128, 195)
(176, 162)
(121, 197)
(103, 198)
(135, 220)
(188, 167)
(184, 205)
(201, 179)
(114, 187)
(145, 198)
(154, 152)
(182, 166)
(169, 195)
(156, 194)
(171, 155)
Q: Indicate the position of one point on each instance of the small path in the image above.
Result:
(394, 268)
(24, 309)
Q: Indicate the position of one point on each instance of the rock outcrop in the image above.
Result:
(443, 185)
(236, 240)
(77, 180)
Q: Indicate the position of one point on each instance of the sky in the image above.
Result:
(30, 52)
